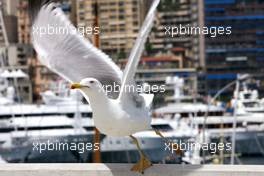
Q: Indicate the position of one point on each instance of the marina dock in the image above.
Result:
(124, 170)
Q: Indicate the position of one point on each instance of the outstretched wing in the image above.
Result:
(135, 55)
(62, 49)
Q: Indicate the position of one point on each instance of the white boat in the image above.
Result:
(20, 134)
(22, 125)
(211, 123)
(248, 102)
(181, 105)
(249, 131)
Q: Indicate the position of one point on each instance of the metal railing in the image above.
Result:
(124, 170)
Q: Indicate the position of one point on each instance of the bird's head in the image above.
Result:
(87, 84)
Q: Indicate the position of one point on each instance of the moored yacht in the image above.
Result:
(248, 102)
(57, 121)
(20, 135)
(212, 125)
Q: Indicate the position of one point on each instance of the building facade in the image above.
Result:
(13, 56)
(119, 23)
(23, 21)
(240, 52)
(176, 14)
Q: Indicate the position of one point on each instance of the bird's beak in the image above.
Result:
(76, 86)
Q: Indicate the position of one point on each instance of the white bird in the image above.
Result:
(70, 55)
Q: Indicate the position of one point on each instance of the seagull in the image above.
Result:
(69, 54)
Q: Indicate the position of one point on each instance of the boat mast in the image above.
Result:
(97, 153)
(234, 124)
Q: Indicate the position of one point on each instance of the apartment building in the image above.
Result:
(119, 23)
(173, 14)
(240, 52)
(23, 22)
(14, 56)
(8, 22)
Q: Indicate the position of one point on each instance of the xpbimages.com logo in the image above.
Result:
(64, 30)
(212, 31)
(79, 147)
(191, 146)
(145, 88)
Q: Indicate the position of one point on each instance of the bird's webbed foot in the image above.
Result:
(142, 165)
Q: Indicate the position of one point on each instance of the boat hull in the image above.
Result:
(23, 151)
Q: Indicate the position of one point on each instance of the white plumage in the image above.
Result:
(74, 58)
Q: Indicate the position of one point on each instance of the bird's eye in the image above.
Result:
(91, 82)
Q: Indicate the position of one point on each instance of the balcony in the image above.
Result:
(124, 170)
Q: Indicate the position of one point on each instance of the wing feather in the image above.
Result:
(62, 49)
(135, 55)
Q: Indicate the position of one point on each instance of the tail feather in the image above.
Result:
(148, 99)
